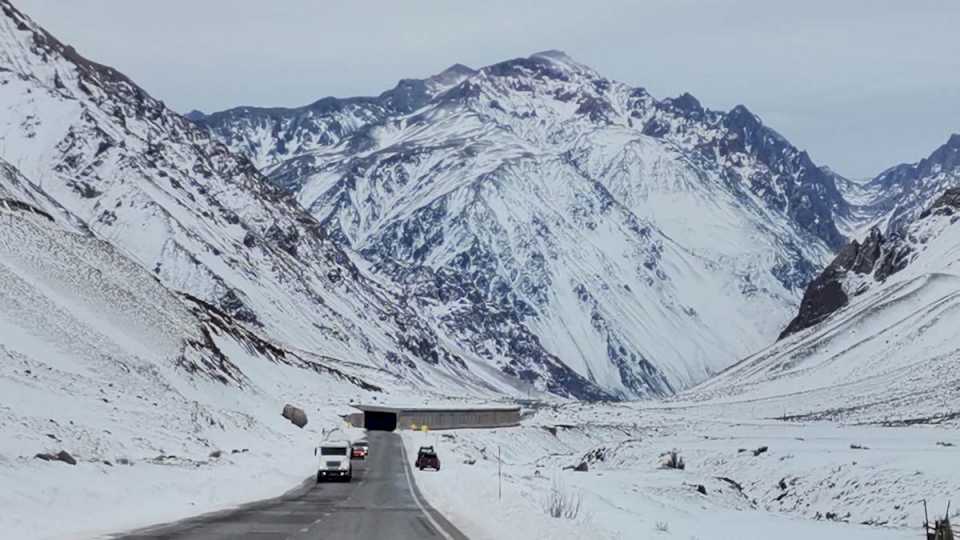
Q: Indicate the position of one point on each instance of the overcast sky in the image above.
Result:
(860, 84)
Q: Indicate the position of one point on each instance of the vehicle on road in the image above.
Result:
(359, 450)
(334, 461)
(427, 458)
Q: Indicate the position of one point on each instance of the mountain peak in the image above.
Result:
(742, 116)
(449, 77)
(560, 58)
(548, 64)
(946, 156)
(687, 102)
(457, 69)
(553, 54)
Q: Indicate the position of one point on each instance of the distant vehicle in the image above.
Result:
(360, 450)
(334, 461)
(427, 459)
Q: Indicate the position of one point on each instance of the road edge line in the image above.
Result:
(413, 492)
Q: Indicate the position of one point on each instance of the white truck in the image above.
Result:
(334, 461)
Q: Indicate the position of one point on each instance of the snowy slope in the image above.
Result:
(206, 222)
(170, 406)
(140, 385)
(604, 219)
(881, 345)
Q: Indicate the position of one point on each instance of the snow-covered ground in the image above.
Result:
(168, 409)
(810, 482)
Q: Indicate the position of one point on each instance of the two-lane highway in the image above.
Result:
(382, 502)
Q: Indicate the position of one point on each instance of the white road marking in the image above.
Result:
(406, 469)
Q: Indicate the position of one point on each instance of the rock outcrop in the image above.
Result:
(62, 455)
(859, 264)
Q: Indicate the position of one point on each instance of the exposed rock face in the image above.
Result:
(295, 415)
(859, 264)
(62, 455)
(947, 205)
(823, 296)
(877, 257)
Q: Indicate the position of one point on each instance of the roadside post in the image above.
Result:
(499, 474)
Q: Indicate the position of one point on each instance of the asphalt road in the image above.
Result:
(382, 502)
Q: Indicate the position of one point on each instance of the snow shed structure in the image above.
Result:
(381, 418)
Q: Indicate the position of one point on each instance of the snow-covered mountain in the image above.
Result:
(605, 221)
(271, 136)
(908, 189)
(122, 166)
(895, 197)
(527, 224)
(875, 339)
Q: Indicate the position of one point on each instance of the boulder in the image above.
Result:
(295, 415)
(62, 455)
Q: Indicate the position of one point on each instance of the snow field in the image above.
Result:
(626, 494)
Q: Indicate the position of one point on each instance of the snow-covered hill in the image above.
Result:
(876, 336)
(144, 387)
(135, 174)
(605, 221)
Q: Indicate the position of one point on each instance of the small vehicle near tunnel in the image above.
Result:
(359, 450)
(334, 461)
(427, 458)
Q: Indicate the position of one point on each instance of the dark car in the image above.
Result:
(427, 459)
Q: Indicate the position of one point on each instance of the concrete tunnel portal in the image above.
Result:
(381, 418)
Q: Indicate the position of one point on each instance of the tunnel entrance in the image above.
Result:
(385, 418)
(379, 421)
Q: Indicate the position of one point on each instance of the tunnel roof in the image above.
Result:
(402, 409)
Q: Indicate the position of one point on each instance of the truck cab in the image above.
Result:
(334, 461)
